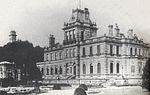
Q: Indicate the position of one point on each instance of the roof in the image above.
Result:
(6, 62)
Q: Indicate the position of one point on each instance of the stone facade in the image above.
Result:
(84, 56)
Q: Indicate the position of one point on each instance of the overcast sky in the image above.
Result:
(34, 20)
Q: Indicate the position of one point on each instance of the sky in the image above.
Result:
(34, 20)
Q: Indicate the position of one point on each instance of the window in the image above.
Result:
(91, 69)
(140, 67)
(1, 70)
(70, 70)
(46, 57)
(47, 71)
(56, 71)
(73, 34)
(73, 52)
(131, 52)
(51, 56)
(98, 49)
(117, 50)
(117, 66)
(91, 50)
(132, 69)
(66, 53)
(135, 51)
(143, 52)
(70, 52)
(60, 70)
(82, 35)
(84, 69)
(70, 35)
(98, 68)
(60, 57)
(55, 55)
(66, 68)
(51, 71)
(139, 51)
(111, 68)
(42, 71)
(111, 49)
(83, 51)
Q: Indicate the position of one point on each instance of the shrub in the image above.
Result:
(56, 87)
(79, 91)
(83, 86)
(146, 75)
(3, 93)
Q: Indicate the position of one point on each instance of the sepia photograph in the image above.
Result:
(74, 47)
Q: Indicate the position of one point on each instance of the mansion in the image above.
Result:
(86, 57)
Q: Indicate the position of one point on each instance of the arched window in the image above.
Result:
(111, 67)
(117, 66)
(84, 69)
(47, 71)
(98, 68)
(91, 69)
(51, 71)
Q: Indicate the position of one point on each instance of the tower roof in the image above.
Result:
(80, 17)
(12, 33)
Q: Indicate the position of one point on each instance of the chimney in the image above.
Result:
(116, 31)
(110, 27)
(51, 41)
(12, 36)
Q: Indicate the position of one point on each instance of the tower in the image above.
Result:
(51, 41)
(12, 36)
(79, 27)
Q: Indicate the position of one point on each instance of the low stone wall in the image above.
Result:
(97, 81)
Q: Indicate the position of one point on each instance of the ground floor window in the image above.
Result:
(111, 68)
(117, 67)
(98, 68)
(91, 69)
(84, 69)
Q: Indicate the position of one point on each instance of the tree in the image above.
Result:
(25, 56)
(146, 75)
